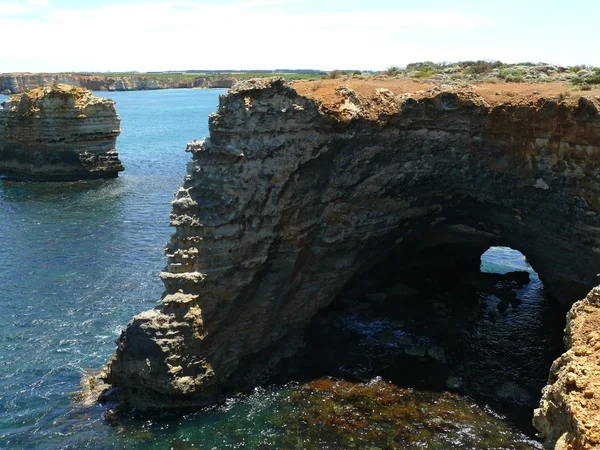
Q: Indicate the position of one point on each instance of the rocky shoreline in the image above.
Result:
(58, 133)
(301, 188)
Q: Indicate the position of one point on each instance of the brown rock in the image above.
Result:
(58, 133)
(569, 413)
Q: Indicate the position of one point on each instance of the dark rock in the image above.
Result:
(401, 290)
(291, 198)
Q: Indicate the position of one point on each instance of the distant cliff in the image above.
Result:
(15, 83)
(58, 133)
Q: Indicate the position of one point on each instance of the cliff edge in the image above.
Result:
(58, 133)
(302, 187)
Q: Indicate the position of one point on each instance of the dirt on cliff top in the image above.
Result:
(65, 89)
(333, 94)
(77, 97)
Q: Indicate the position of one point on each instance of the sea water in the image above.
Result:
(80, 259)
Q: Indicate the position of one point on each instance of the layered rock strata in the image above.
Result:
(20, 82)
(58, 133)
(302, 187)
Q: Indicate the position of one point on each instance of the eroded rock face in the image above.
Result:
(569, 413)
(291, 197)
(59, 133)
(19, 82)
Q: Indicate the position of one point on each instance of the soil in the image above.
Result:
(493, 94)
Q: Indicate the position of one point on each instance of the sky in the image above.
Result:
(156, 35)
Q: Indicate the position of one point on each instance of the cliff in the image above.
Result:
(58, 133)
(19, 82)
(300, 188)
(569, 413)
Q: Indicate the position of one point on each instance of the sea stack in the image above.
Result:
(58, 133)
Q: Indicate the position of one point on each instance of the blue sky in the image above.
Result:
(145, 35)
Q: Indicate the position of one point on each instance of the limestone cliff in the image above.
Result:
(20, 82)
(59, 132)
(302, 187)
(569, 413)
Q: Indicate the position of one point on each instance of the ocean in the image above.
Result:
(80, 259)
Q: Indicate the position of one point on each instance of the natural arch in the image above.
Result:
(419, 320)
(291, 198)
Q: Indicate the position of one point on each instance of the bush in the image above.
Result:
(335, 74)
(512, 75)
(357, 72)
(575, 69)
(392, 71)
(423, 74)
(590, 79)
(563, 95)
(480, 67)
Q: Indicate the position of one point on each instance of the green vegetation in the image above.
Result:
(481, 66)
(188, 76)
(496, 71)
(582, 76)
(512, 74)
(393, 71)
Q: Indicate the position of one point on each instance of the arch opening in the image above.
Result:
(448, 319)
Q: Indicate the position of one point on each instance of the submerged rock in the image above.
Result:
(330, 414)
(58, 133)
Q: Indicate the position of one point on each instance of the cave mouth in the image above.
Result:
(431, 320)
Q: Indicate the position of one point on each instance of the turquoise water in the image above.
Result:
(80, 259)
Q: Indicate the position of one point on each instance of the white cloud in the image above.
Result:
(247, 34)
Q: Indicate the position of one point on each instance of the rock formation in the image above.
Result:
(60, 133)
(19, 82)
(302, 187)
(569, 413)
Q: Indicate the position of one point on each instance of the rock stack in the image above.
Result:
(58, 133)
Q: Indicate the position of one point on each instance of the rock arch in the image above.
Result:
(291, 197)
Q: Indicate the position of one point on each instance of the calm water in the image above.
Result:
(80, 259)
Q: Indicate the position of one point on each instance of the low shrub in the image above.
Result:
(512, 75)
(480, 67)
(392, 71)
